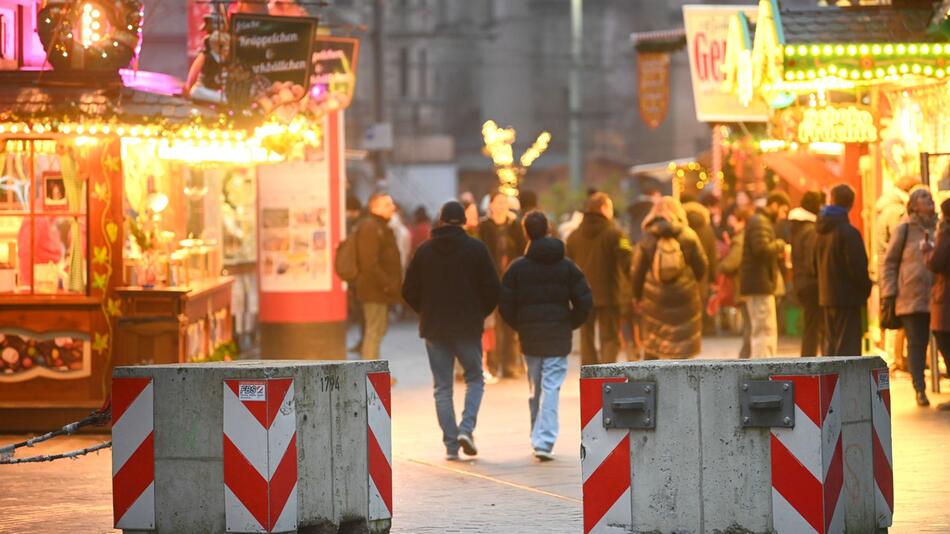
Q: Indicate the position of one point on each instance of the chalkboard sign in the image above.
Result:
(277, 48)
(334, 68)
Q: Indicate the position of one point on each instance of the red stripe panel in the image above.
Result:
(791, 479)
(883, 473)
(806, 395)
(276, 391)
(124, 392)
(834, 482)
(607, 484)
(133, 478)
(381, 384)
(245, 482)
(257, 408)
(886, 398)
(282, 482)
(828, 384)
(592, 396)
(380, 470)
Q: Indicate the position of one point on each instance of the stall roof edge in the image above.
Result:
(859, 24)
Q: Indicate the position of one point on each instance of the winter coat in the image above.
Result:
(889, 211)
(804, 275)
(672, 311)
(505, 242)
(544, 297)
(701, 222)
(842, 262)
(452, 284)
(603, 252)
(906, 275)
(731, 263)
(760, 255)
(938, 261)
(380, 266)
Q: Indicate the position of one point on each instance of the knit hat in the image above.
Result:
(452, 213)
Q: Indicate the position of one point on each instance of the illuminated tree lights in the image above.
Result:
(93, 35)
(498, 147)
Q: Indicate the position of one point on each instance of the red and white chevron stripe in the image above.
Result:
(133, 453)
(260, 455)
(379, 446)
(881, 437)
(605, 464)
(807, 461)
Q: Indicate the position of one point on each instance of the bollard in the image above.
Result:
(252, 446)
(759, 446)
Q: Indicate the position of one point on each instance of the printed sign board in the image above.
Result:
(277, 48)
(334, 68)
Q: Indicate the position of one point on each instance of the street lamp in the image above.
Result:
(498, 143)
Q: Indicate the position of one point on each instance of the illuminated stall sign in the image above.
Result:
(830, 124)
(334, 69)
(707, 30)
(276, 48)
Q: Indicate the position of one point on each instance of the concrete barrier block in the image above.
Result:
(700, 470)
(329, 400)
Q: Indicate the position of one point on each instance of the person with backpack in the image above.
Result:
(452, 284)
(907, 282)
(761, 253)
(371, 258)
(602, 251)
(544, 297)
(668, 264)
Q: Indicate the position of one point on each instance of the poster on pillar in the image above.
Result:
(653, 80)
(294, 218)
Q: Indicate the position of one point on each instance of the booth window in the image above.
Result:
(43, 218)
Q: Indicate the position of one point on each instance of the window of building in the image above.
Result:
(43, 219)
(423, 73)
(404, 72)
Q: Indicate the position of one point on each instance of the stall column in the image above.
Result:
(300, 224)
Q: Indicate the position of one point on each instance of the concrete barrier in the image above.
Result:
(252, 446)
(752, 446)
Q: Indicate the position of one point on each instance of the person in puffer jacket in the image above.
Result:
(544, 297)
(671, 308)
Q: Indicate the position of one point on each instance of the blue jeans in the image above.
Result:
(442, 355)
(545, 377)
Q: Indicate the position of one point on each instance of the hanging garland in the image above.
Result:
(90, 34)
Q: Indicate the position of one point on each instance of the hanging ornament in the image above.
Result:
(97, 35)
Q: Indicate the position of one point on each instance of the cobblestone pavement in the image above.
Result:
(504, 491)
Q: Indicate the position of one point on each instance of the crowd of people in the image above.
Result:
(499, 296)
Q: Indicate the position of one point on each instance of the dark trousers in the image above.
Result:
(842, 331)
(814, 324)
(943, 344)
(505, 359)
(606, 320)
(917, 328)
(746, 349)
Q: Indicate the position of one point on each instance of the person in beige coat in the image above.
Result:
(908, 281)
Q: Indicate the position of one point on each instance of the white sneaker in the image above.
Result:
(467, 442)
(489, 378)
(543, 456)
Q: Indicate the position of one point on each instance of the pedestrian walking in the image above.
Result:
(908, 282)
(761, 253)
(668, 265)
(544, 297)
(700, 221)
(421, 228)
(889, 212)
(504, 238)
(843, 282)
(451, 283)
(804, 275)
(731, 265)
(380, 271)
(938, 261)
(603, 252)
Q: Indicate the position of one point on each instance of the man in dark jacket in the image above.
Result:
(843, 282)
(502, 234)
(804, 276)
(761, 253)
(452, 285)
(380, 271)
(544, 297)
(603, 253)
